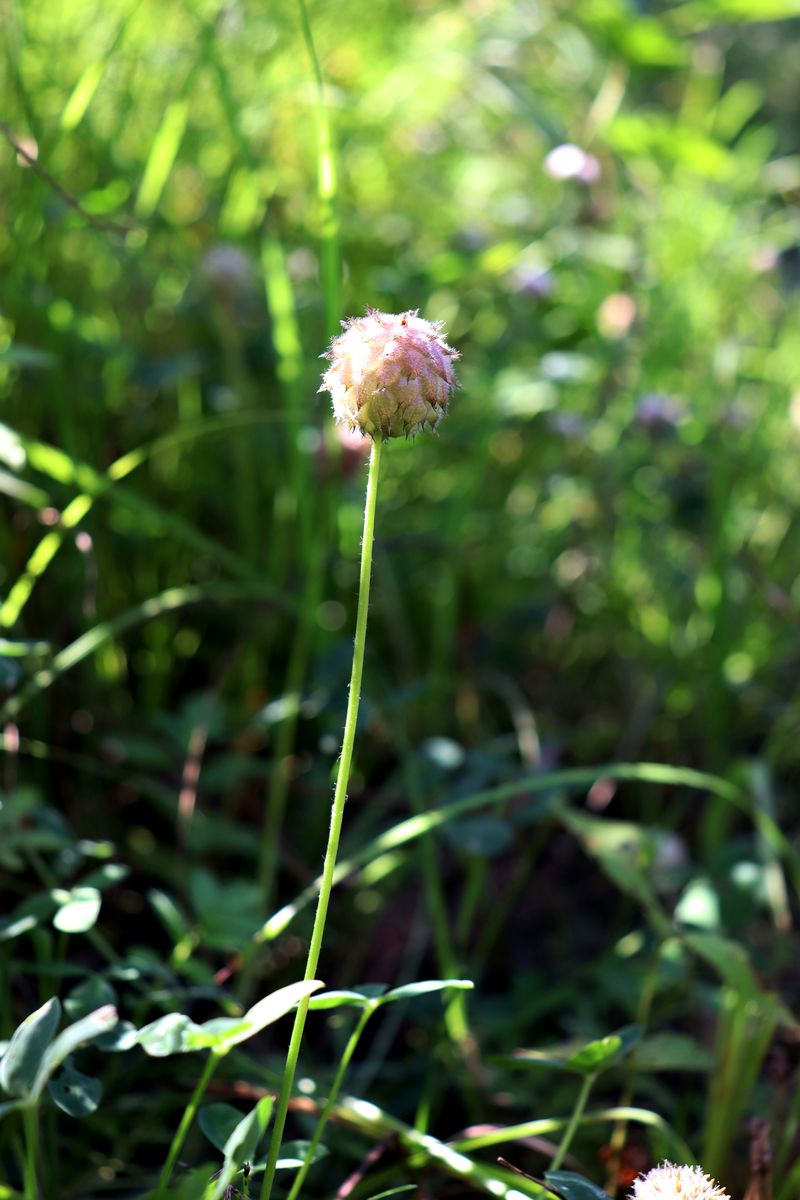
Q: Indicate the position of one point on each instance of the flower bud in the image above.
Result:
(669, 1182)
(390, 374)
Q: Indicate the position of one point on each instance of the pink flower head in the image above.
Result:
(670, 1182)
(391, 374)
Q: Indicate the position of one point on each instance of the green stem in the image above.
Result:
(30, 1117)
(337, 814)
(574, 1122)
(188, 1117)
(333, 1095)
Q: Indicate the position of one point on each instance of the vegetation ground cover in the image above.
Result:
(562, 928)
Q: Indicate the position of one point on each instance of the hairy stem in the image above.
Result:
(337, 814)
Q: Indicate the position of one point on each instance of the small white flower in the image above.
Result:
(671, 1182)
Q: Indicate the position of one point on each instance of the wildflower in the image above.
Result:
(671, 1182)
(571, 162)
(391, 374)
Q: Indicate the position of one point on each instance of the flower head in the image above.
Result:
(670, 1182)
(391, 374)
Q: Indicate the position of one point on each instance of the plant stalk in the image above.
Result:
(188, 1117)
(30, 1117)
(574, 1122)
(337, 814)
(333, 1096)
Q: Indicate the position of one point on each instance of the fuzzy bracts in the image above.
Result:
(670, 1182)
(391, 374)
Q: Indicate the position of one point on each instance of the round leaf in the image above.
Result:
(75, 1093)
(78, 909)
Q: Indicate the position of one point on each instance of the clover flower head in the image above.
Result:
(671, 1182)
(390, 374)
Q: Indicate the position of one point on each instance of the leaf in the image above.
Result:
(672, 1052)
(487, 837)
(218, 1034)
(732, 962)
(124, 1036)
(217, 1122)
(85, 1030)
(88, 996)
(76, 1094)
(589, 1059)
(275, 1006)
(293, 1155)
(78, 909)
(243, 1141)
(594, 1056)
(336, 999)
(407, 991)
(625, 852)
(167, 1035)
(604, 1052)
(176, 1033)
(573, 1187)
(27, 1047)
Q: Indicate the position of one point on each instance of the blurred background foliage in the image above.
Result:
(596, 560)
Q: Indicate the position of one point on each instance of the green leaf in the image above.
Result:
(78, 909)
(625, 852)
(218, 1034)
(672, 1052)
(732, 962)
(85, 1030)
(217, 1122)
(594, 1056)
(573, 1187)
(484, 836)
(275, 1006)
(27, 1048)
(293, 1155)
(178, 1034)
(337, 999)
(124, 1036)
(407, 991)
(88, 996)
(167, 1035)
(243, 1141)
(599, 1055)
(589, 1059)
(76, 1094)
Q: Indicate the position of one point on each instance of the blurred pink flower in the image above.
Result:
(570, 162)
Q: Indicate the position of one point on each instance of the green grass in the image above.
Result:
(574, 773)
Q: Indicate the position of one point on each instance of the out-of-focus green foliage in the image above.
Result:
(596, 560)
